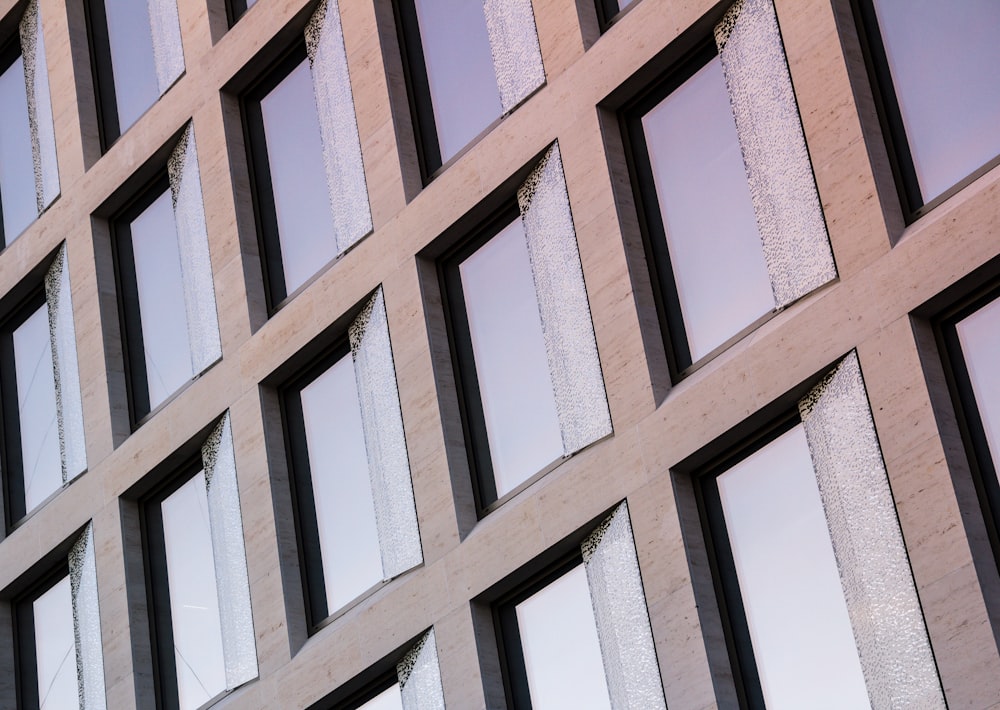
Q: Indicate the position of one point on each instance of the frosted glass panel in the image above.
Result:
(788, 579)
(55, 650)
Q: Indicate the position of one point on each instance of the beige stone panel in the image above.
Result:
(559, 35)
(461, 676)
(386, 193)
(196, 33)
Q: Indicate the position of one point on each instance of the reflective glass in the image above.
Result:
(41, 463)
(943, 58)
(17, 168)
(298, 177)
(389, 699)
(194, 601)
(459, 64)
(979, 335)
(338, 461)
(794, 602)
(511, 364)
(165, 343)
(55, 648)
(132, 63)
(711, 230)
(562, 654)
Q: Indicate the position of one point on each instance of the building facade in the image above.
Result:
(522, 353)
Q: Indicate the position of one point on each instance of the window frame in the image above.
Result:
(99, 47)
(25, 649)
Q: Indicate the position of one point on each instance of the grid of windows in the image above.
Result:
(278, 521)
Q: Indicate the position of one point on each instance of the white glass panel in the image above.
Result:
(345, 512)
(460, 72)
(514, 383)
(166, 347)
(132, 59)
(194, 602)
(41, 463)
(17, 168)
(715, 248)
(979, 335)
(55, 649)
(799, 627)
(389, 699)
(298, 179)
(943, 57)
(562, 655)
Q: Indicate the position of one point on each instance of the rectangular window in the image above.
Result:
(17, 171)
(702, 234)
(932, 66)
(47, 659)
(136, 55)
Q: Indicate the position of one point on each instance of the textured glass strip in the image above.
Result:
(420, 676)
(874, 569)
(43, 137)
(168, 50)
(517, 56)
(196, 263)
(623, 628)
(69, 403)
(87, 622)
(226, 520)
(782, 187)
(581, 401)
(338, 125)
(385, 441)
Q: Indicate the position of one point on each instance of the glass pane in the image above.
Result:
(943, 58)
(55, 648)
(715, 248)
(298, 178)
(17, 168)
(41, 463)
(132, 65)
(166, 348)
(345, 512)
(979, 335)
(460, 73)
(389, 699)
(194, 601)
(562, 654)
(514, 382)
(795, 608)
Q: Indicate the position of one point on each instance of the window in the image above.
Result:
(727, 201)
(237, 8)
(136, 55)
(307, 174)
(25, 101)
(196, 567)
(578, 634)
(939, 98)
(166, 295)
(355, 510)
(608, 10)
(468, 63)
(530, 396)
(805, 550)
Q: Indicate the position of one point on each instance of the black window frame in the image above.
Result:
(25, 651)
(10, 51)
(261, 188)
(235, 9)
(647, 205)
(890, 117)
(15, 506)
(463, 358)
(300, 478)
(154, 561)
(609, 12)
(127, 292)
(983, 469)
(109, 129)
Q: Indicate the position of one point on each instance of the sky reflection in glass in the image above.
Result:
(511, 364)
(194, 602)
(166, 347)
(389, 699)
(132, 59)
(41, 463)
(338, 462)
(979, 335)
(795, 608)
(943, 58)
(55, 648)
(298, 178)
(459, 63)
(17, 167)
(562, 653)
